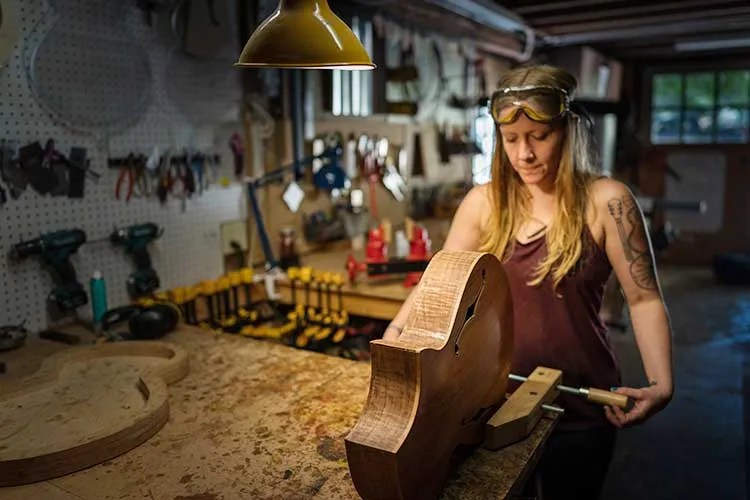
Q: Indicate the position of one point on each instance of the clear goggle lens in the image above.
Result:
(541, 104)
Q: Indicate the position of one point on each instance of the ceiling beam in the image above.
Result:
(669, 40)
(557, 6)
(484, 12)
(679, 28)
(616, 24)
(422, 17)
(668, 52)
(636, 12)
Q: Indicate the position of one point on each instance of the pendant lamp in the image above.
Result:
(304, 34)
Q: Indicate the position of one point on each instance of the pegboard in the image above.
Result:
(190, 248)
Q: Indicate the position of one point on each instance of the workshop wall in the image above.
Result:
(169, 100)
(450, 72)
(435, 116)
(723, 187)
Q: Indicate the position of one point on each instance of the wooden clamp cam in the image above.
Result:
(518, 416)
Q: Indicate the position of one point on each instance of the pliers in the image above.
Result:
(133, 176)
(127, 177)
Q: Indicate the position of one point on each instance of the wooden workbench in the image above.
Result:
(255, 420)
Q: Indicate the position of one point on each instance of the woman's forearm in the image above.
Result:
(653, 335)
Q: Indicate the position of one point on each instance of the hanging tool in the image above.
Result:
(393, 181)
(35, 162)
(133, 179)
(70, 171)
(238, 152)
(196, 167)
(55, 249)
(371, 172)
(406, 76)
(135, 239)
(76, 175)
(177, 180)
(591, 394)
(391, 178)
(126, 181)
(276, 176)
(11, 171)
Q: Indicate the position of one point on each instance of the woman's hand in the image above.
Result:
(647, 401)
(392, 332)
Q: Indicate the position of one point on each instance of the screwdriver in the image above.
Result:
(593, 395)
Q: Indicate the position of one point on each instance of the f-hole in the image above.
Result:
(470, 313)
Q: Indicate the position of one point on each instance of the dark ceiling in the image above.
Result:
(636, 28)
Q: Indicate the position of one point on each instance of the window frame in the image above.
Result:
(683, 68)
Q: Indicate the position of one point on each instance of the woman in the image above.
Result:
(559, 229)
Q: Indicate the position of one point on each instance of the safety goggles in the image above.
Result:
(540, 103)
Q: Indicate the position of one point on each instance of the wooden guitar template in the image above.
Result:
(84, 406)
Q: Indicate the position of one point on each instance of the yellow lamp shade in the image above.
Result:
(304, 34)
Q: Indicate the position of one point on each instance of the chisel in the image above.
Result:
(591, 394)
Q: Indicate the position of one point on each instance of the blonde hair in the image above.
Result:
(509, 195)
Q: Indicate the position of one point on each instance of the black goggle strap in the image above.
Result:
(580, 111)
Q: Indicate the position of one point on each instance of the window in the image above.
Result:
(484, 134)
(700, 107)
(352, 90)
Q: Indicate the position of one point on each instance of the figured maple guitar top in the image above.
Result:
(433, 388)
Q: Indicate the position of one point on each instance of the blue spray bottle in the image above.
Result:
(98, 299)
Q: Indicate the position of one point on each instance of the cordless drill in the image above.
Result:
(55, 249)
(144, 279)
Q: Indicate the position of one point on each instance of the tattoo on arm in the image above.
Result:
(634, 241)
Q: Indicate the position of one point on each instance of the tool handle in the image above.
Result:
(608, 398)
(26, 248)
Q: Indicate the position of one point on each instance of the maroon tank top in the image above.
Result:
(563, 330)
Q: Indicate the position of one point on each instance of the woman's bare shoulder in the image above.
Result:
(479, 197)
(604, 189)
